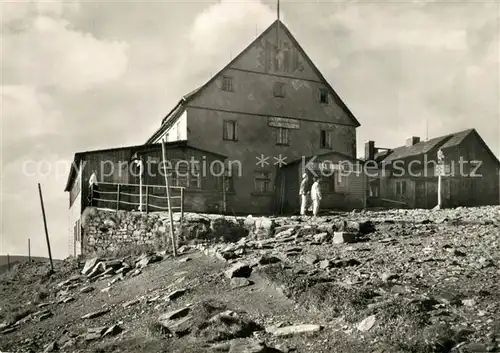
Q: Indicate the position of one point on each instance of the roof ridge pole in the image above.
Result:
(278, 26)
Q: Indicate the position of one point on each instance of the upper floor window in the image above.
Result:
(323, 95)
(227, 83)
(229, 130)
(283, 137)
(325, 139)
(279, 89)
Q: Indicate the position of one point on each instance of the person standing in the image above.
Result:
(93, 188)
(305, 189)
(316, 196)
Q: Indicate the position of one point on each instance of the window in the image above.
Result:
(323, 95)
(283, 136)
(263, 182)
(327, 183)
(227, 83)
(181, 175)
(229, 132)
(400, 188)
(325, 139)
(279, 89)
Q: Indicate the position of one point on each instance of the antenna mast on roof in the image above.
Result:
(278, 26)
(426, 129)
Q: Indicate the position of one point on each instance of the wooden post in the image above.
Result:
(439, 191)
(140, 184)
(172, 236)
(182, 205)
(45, 226)
(29, 250)
(440, 170)
(224, 203)
(147, 199)
(117, 197)
(8, 262)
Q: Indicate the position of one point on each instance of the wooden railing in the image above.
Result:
(128, 197)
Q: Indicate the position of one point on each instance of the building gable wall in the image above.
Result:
(254, 75)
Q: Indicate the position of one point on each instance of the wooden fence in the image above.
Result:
(128, 197)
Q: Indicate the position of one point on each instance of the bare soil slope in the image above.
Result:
(419, 282)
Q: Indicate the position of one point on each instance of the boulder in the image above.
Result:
(367, 323)
(267, 260)
(95, 314)
(112, 331)
(344, 237)
(296, 329)
(89, 265)
(264, 228)
(361, 227)
(173, 315)
(321, 237)
(247, 345)
(324, 264)
(238, 282)
(239, 269)
(310, 259)
(176, 294)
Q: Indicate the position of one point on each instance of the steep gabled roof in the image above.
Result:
(190, 96)
(441, 142)
(415, 150)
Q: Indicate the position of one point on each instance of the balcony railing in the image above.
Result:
(128, 197)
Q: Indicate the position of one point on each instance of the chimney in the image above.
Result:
(369, 150)
(412, 141)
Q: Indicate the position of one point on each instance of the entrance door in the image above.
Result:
(279, 191)
(420, 194)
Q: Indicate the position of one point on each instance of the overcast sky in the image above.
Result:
(88, 75)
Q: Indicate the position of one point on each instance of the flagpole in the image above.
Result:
(278, 27)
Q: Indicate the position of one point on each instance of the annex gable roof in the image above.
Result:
(423, 147)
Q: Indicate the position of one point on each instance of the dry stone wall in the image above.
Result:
(106, 232)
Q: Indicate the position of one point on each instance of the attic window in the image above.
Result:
(227, 83)
(325, 139)
(279, 89)
(323, 95)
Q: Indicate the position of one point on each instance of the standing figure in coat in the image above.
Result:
(316, 196)
(304, 192)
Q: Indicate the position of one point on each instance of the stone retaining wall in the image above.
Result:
(111, 233)
(106, 231)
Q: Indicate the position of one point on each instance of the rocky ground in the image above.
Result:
(387, 281)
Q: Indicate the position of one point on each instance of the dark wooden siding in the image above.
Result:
(461, 187)
(116, 167)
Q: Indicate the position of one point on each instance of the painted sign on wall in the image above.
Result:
(284, 122)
